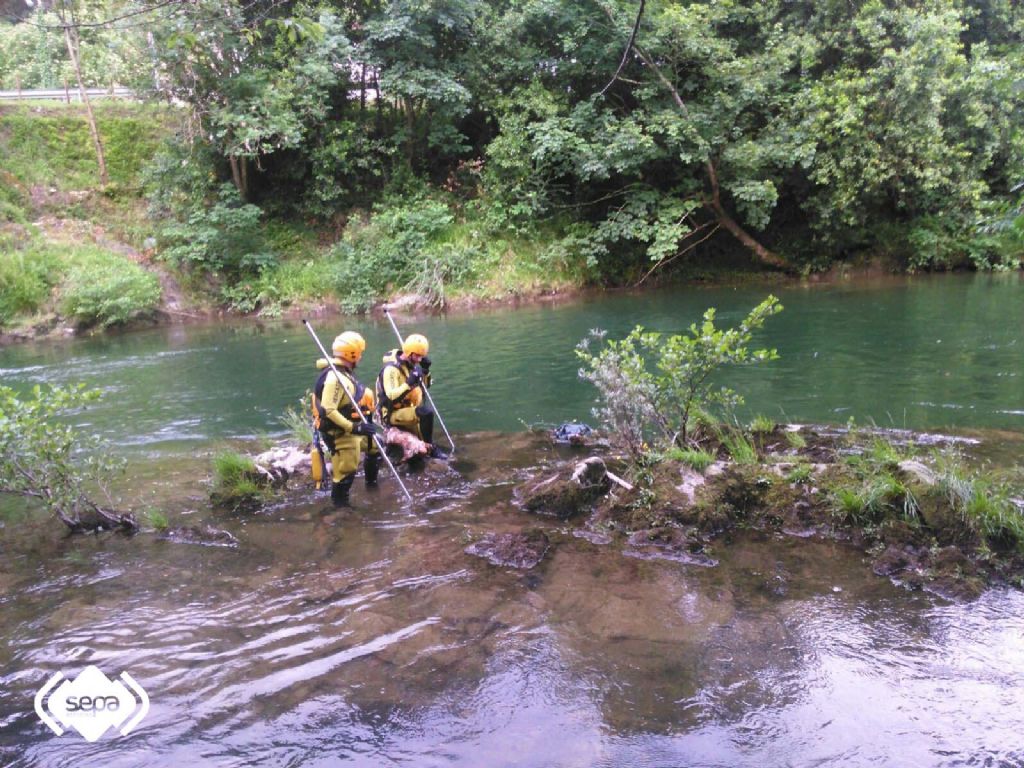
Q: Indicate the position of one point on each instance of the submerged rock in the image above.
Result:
(516, 550)
(204, 535)
(678, 544)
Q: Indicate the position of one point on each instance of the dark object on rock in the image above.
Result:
(572, 434)
(516, 550)
(205, 535)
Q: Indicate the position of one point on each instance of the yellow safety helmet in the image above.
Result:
(415, 344)
(349, 346)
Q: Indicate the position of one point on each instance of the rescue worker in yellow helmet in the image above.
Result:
(400, 386)
(344, 434)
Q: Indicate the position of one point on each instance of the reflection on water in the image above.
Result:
(370, 638)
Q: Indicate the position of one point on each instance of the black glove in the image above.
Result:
(414, 378)
(425, 364)
(365, 428)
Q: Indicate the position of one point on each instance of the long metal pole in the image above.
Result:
(425, 390)
(357, 409)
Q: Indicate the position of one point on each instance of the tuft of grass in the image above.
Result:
(799, 475)
(297, 421)
(762, 425)
(849, 504)
(874, 499)
(234, 474)
(740, 448)
(157, 519)
(795, 440)
(694, 458)
(983, 506)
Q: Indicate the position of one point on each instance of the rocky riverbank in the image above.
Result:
(909, 502)
(920, 522)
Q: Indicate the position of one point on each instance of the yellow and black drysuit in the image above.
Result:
(344, 434)
(400, 396)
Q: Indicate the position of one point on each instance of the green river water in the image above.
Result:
(370, 638)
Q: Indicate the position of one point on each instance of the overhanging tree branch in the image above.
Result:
(714, 200)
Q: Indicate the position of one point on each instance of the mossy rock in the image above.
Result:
(516, 550)
(945, 523)
(955, 576)
(741, 488)
(562, 499)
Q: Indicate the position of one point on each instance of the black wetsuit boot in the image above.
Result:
(426, 417)
(371, 467)
(339, 491)
(426, 414)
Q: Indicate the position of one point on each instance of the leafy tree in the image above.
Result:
(44, 458)
(651, 384)
(424, 53)
(258, 76)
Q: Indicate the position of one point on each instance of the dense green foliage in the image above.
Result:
(102, 289)
(44, 458)
(650, 386)
(62, 265)
(416, 136)
(90, 286)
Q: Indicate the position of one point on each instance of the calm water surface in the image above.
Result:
(934, 352)
(370, 638)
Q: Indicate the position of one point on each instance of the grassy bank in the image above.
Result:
(69, 247)
(75, 253)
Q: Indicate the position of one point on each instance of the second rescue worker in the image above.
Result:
(400, 394)
(342, 430)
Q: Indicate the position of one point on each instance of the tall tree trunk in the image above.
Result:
(362, 89)
(714, 202)
(378, 102)
(72, 43)
(240, 175)
(410, 127)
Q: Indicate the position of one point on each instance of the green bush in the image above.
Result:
(221, 236)
(102, 288)
(28, 273)
(387, 253)
(652, 385)
(24, 284)
(12, 201)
